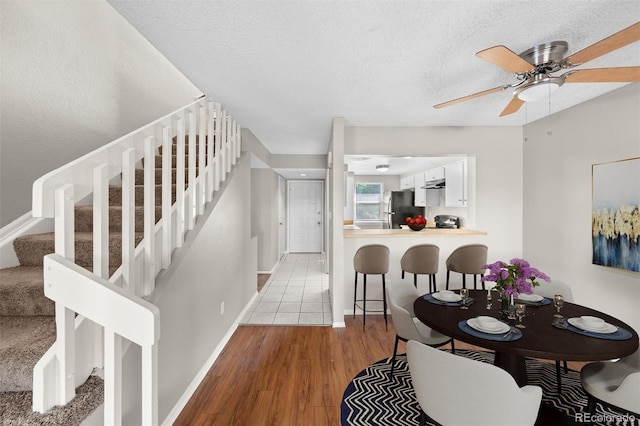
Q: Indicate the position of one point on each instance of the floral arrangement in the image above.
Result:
(513, 278)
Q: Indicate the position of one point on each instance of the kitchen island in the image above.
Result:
(398, 241)
(408, 233)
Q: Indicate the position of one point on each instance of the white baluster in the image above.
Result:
(65, 318)
(149, 214)
(101, 221)
(227, 145)
(234, 143)
(239, 141)
(128, 219)
(167, 152)
(192, 172)
(150, 385)
(180, 219)
(218, 150)
(112, 378)
(223, 148)
(202, 160)
(210, 142)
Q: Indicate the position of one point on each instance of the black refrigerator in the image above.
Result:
(397, 205)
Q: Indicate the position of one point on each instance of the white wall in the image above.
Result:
(212, 267)
(263, 219)
(557, 196)
(75, 76)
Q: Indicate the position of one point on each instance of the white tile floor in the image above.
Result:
(297, 293)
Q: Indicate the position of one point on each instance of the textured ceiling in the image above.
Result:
(284, 69)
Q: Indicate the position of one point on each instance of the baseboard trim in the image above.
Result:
(193, 386)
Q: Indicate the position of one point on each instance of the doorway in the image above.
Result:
(282, 209)
(305, 216)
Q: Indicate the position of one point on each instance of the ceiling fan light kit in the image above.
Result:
(534, 68)
(538, 88)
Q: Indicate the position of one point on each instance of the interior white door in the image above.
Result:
(305, 216)
(281, 217)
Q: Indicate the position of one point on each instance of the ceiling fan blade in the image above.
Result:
(469, 97)
(604, 75)
(506, 59)
(606, 45)
(512, 107)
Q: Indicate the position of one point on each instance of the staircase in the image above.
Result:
(121, 239)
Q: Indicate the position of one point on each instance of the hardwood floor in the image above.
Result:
(289, 375)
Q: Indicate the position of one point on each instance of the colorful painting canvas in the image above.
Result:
(615, 223)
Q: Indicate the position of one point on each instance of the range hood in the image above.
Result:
(434, 184)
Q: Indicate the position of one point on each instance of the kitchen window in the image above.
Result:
(368, 201)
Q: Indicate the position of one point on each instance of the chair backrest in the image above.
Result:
(454, 390)
(632, 360)
(372, 259)
(549, 289)
(421, 259)
(468, 259)
(401, 295)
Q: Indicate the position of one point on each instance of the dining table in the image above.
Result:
(541, 338)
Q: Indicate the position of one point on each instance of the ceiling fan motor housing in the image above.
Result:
(546, 53)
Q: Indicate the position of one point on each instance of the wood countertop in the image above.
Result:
(408, 233)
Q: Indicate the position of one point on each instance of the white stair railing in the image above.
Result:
(103, 325)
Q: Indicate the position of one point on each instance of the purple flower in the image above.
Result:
(513, 278)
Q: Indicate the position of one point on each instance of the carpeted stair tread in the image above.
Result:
(174, 161)
(84, 218)
(22, 292)
(158, 173)
(174, 148)
(115, 195)
(24, 341)
(31, 249)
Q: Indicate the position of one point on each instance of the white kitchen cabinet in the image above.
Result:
(407, 182)
(434, 174)
(420, 194)
(456, 184)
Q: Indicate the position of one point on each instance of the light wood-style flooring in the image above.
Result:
(289, 375)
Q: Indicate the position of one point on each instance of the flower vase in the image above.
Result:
(508, 308)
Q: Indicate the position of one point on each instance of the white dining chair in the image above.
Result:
(453, 390)
(613, 383)
(401, 296)
(548, 290)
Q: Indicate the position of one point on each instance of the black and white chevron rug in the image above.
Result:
(373, 398)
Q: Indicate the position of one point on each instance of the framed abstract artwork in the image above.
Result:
(615, 214)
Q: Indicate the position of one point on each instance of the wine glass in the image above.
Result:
(520, 311)
(464, 293)
(558, 302)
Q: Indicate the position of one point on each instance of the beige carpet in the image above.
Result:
(15, 407)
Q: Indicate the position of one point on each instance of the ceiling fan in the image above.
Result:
(535, 68)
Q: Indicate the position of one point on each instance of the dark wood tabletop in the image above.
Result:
(539, 340)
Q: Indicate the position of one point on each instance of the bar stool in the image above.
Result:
(421, 259)
(371, 259)
(467, 259)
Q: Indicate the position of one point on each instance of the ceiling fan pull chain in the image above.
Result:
(549, 132)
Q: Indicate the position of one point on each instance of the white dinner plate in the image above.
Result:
(530, 297)
(605, 329)
(452, 298)
(501, 328)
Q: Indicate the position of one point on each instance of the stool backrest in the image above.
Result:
(421, 259)
(468, 259)
(372, 259)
